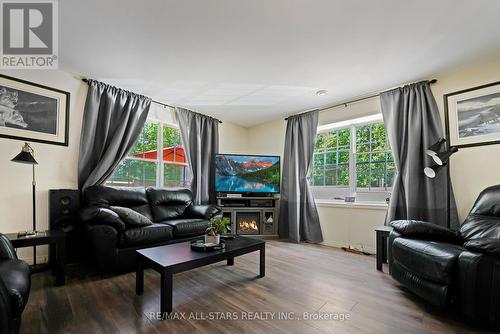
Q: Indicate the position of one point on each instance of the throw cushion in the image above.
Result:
(131, 217)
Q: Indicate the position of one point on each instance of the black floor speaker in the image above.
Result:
(63, 215)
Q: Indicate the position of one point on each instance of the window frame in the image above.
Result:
(352, 188)
(160, 164)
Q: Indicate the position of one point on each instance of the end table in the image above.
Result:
(382, 234)
(50, 237)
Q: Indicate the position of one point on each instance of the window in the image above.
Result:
(374, 162)
(157, 159)
(331, 159)
(354, 155)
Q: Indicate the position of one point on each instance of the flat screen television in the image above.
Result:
(247, 174)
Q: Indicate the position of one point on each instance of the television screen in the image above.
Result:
(247, 173)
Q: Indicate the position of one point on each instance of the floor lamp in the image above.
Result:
(26, 157)
(441, 156)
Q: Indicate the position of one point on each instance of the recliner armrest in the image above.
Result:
(202, 211)
(6, 249)
(6, 315)
(484, 245)
(417, 229)
(102, 216)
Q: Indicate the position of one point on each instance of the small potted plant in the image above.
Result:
(218, 226)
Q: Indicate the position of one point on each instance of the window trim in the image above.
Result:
(352, 125)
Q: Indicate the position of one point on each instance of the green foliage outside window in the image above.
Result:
(171, 137)
(140, 169)
(331, 159)
(148, 140)
(373, 166)
(374, 162)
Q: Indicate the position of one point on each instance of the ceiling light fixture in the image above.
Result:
(321, 92)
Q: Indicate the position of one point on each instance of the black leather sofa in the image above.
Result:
(449, 268)
(112, 243)
(15, 284)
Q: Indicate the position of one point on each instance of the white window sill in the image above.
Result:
(355, 205)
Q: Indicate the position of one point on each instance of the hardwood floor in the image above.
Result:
(299, 278)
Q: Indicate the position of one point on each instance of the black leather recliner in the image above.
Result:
(15, 284)
(453, 268)
(113, 244)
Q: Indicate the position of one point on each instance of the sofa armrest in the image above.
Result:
(94, 215)
(102, 241)
(6, 249)
(417, 229)
(484, 246)
(203, 211)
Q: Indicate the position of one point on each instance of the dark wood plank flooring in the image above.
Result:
(299, 278)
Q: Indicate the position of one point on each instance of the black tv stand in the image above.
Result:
(245, 195)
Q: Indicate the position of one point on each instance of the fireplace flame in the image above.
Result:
(248, 225)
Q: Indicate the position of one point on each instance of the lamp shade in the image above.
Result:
(26, 156)
(436, 147)
(432, 171)
(443, 157)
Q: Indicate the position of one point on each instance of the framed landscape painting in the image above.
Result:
(473, 116)
(33, 112)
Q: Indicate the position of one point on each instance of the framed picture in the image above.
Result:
(473, 116)
(33, 112)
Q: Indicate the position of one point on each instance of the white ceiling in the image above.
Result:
(251, 61)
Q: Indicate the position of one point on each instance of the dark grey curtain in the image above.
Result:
(299, 220)
(413, 124)
(200, 136)
(112, 121)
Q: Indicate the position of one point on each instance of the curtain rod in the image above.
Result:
(433, 81)
(160, 103)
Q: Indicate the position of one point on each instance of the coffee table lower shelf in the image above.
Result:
(175, 258)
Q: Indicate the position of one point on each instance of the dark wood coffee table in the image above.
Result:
(175, 258)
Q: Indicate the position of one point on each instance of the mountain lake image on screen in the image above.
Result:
(247, 173)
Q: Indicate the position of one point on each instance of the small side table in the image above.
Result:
(50, 237)
(382, 234)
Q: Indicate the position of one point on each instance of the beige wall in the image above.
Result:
(341, 225)
(233, 138)
(268, 138)
(346, 225)
(57, 164)
(472, 169)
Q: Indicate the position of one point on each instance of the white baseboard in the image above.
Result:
(340, 244)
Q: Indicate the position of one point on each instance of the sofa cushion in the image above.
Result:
(202, 211)
(94, 215)
(169, 203)
(15, 275)
(130, 217)
(187, 227)
(133, 198)
(146, 235)
(434, 261)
